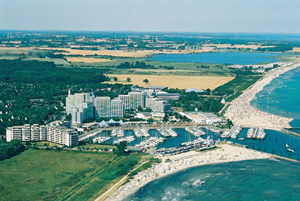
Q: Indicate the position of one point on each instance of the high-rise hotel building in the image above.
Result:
(137, 99)
(102, 107)
(76, 100)
(116, 108)
(84, 105)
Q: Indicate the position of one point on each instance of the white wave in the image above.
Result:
(198, 183)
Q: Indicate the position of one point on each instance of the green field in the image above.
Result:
(61, 175)
(98, 146)
(235, 88)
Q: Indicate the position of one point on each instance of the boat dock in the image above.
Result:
(256, 133)
(197, 132)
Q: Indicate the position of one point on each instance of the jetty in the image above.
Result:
(256, 133)
(197, 132)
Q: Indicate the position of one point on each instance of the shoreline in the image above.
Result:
(242, 113)
(223, 154)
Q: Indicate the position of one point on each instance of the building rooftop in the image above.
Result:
(194, 90)
(167, 94)
(156, 87)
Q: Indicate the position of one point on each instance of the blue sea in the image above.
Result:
(281, 96)
(243, 58)
(245, 180)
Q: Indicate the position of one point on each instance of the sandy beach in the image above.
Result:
(241, 112)
(224, 153)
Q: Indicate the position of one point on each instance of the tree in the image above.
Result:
(121, 148)
(146, 81)
(115, 79)
(27, 143)
(128, 79)
(150, 121)
(140, 109)
(166, 118)
(130, 45)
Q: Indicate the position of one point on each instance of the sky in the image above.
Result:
(248, 16)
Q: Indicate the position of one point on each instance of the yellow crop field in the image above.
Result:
(86, 60)
(123, 53)
(181, 82)
(116, 53)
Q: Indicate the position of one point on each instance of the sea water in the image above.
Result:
(281, 96)
(245, 180)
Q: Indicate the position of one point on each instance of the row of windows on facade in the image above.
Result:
(57, 133)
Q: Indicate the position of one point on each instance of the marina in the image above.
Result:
(235, 132)
(197, 132)
(256, 133)
(167, 132)
(269, 141)
(90, 135)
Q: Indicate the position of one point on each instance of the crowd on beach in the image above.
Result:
(174, 163)
(242, 113)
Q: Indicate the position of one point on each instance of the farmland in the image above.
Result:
(63, 175)
(86, 60)
(180, 82)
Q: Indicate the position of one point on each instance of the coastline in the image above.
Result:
(223, 154)
(241, 112)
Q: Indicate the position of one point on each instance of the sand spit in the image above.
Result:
(180, 162)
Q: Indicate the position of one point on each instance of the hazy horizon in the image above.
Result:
(177, 16)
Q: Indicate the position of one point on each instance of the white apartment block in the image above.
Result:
(102, 107)
(54, 132)
(26, 133)
(82, 113)
(157, 105)
(116, 108)
(126, 101)
(137, 99)
(76, 100)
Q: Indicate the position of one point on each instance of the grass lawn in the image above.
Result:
(42, 144)
(98, 146)
(62, 175)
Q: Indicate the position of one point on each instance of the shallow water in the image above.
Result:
(245, 180)
(281, 96)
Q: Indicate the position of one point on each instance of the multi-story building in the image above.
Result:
(126, 101)
(26, 133)
(82, 113)
(157, 105)
(76, 100)
(14, 133)
(84, 105)
(35, 132)
(56, 132)
(102, 107)
(133, 100)
(116, 108)
(43, 133)
(168, 96)
(137, 99)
